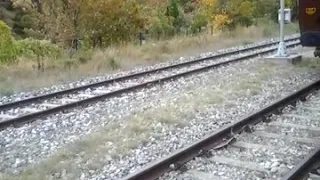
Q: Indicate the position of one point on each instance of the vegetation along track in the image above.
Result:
(27, 110)
(264, 145)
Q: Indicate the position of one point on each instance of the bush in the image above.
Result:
(7, 47)
(160, 26)
(199, 20)
(34, 48)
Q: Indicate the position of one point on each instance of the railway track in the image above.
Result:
(27, 110)
(281, 141)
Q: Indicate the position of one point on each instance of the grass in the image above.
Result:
(120, 138)
(23, 76)
(313, 63)
(6, 89)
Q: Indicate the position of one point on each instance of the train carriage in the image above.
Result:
(309, 24)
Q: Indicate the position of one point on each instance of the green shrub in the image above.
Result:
(161, 26)
(199, 20)
(34, 48)
(7, 47)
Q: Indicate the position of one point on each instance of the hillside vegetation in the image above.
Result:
(43, 42)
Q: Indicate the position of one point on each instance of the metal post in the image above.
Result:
(282, 50)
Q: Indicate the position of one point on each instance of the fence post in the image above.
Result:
(140, 38)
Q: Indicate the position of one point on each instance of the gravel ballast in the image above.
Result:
(86, 81)
(264, 157)
(118, 85)
(210, 101)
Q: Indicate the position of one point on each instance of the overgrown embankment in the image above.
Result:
(29, 63)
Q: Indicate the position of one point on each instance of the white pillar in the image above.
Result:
(282, 50)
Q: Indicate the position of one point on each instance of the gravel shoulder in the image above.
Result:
(115, 137)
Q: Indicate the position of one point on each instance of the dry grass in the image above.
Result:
(313, 63)
(119, 138)
(23, 76)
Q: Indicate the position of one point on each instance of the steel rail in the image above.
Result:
(32, 116)
(304, 167)
(201, 147)
(126, 77)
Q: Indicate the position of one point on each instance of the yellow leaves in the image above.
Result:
(219, 21)
(246, 9)
(209, 6)
(208, 3)
(219, 17)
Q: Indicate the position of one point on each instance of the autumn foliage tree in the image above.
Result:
(112, 21)
(105, 22)
(230, 13)
(241, 12)
(57, 20)
(109, 21)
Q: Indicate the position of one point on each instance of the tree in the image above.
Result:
(65, 20)
(57, 20)
(241, 12)
(174, 11)
(113, 21)
(159, 26)
(7, 46)
(199, 20)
